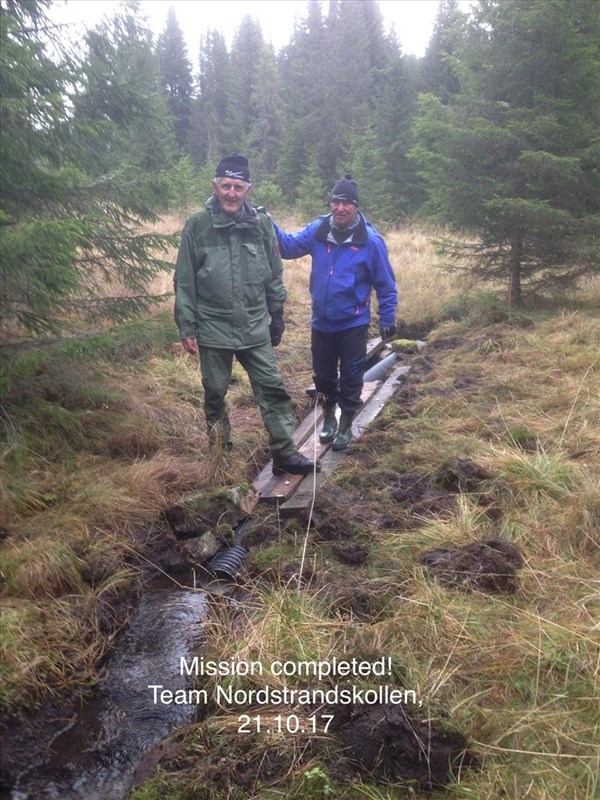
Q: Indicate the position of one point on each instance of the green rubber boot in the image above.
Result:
(344, 438)
(330, 426)
(219, 436)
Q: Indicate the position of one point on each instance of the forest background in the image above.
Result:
(493, 133)
(488, 145)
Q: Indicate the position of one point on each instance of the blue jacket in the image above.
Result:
(344, 275)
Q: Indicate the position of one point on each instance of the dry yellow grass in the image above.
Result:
(518, 674)
(424, 288)
(169, 224)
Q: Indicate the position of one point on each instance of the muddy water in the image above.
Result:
(97, 756)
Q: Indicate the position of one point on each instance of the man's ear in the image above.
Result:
(214, 186)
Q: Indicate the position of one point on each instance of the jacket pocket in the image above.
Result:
(255, 273)
(213, 278)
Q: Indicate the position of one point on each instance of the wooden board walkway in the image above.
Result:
(278, 488)
(294, 492)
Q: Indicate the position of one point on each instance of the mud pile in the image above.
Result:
(388, 744)
(489, 565)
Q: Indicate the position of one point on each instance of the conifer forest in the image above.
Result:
(494, 132)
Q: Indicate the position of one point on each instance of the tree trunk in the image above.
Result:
(514, 291)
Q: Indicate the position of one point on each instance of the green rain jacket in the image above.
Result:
(228, 279)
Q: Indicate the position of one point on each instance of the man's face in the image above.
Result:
(343, 212)
(231, 193)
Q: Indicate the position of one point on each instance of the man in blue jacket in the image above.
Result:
(349, 260)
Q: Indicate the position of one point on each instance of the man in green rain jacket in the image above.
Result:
(228, 284)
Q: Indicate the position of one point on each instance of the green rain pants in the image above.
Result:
(269, 392)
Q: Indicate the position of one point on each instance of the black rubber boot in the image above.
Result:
(296, 464)
(344, 438)
(330, 425)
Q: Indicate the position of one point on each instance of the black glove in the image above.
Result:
(276, 327)
(387, 331)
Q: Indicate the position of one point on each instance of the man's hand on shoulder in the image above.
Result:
(263, 210)
(190, 345)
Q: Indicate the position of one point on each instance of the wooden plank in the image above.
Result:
(372, 409)
(302, 498)
(304, 491)
(274, 488)
(279, 488)
(374, 347)
(308, 424)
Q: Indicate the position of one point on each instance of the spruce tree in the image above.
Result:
(393, 108)
(303, 77)
(245, 60)
(312, 193)
(176, 73)
(346, 85)
(343, 84)
(438, 71)
(514, 158)
(292, 159)
(367, 164)
(71, 198)
(264, 137)
(212, 134)
(120, 81)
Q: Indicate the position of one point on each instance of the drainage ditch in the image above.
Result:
(96, 756)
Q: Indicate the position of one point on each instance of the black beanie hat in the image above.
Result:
(345, 189)
(233, 166)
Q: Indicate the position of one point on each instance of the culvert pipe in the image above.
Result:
(227, 562)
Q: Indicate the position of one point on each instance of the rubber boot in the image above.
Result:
(295, 464)
(330, 425)
(344, 437)
(219, 436)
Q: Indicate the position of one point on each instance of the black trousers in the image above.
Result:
(348, 349)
